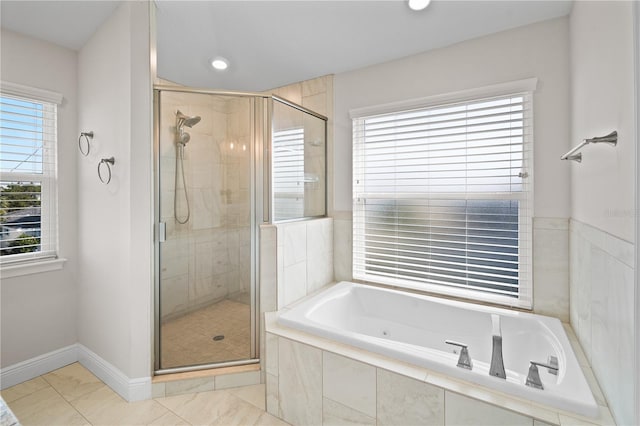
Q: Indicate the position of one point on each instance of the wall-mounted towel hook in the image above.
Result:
(85, 141)
(611, 139)
(108, 162)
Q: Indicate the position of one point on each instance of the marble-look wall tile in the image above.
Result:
(335, 414)
(319, 253)
(342, 248)
(310, 245)
(294, 242)
(551, 267)
(319, 271)
(180, 387)
(294, 282)
(176, 295)
(237, 379)
(292, 92)
(268, 268)
(209, 255)
(319, 237)
(300, 383)
(158, 390)
(461, 411)
(317, 103)
(401, 400)
(349, 382)
(613, 336)
(273, 400)
(314, 86)
(271, 364)
(602, 312)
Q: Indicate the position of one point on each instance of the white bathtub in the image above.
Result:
(413, 328)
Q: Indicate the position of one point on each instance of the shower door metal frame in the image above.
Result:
(260, 207)
(269, 206)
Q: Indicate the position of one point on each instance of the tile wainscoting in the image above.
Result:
(602, 311)
(314, 381)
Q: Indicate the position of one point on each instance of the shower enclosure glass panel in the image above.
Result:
(206, 213)
(298, 162)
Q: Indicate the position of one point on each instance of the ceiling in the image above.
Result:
(274, 43)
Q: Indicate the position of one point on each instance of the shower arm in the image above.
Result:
(611, 139)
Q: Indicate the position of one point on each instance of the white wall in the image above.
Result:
(604, 199)
(38, 311)
(115, 220)
(602, 88)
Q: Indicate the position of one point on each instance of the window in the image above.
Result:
(28, 219)
(288, 173)
(443, 198)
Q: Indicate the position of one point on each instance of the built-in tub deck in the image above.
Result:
(335, 380)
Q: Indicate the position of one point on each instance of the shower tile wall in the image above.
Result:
(316, 95)
(208, 258)
(304, 258)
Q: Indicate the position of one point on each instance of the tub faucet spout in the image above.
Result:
(497, 364)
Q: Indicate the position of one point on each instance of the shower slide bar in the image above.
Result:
(611, 139)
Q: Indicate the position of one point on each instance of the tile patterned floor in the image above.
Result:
(74, 396)
(188, 340)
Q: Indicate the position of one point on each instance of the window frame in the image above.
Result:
(48, 259)
(524, 299)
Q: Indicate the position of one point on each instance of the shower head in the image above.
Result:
(181, 121)
(185, 120)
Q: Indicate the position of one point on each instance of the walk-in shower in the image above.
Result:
(246, 159)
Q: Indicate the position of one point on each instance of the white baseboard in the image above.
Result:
(130, 389)
(34, 367)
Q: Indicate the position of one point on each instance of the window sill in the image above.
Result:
(34, 267)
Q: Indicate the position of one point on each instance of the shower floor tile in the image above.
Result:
(188, 340)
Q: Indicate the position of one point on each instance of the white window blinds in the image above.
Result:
(28, 219)
(442, 199)
(288, 173)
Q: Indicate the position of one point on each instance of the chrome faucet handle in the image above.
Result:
(533, 378)
(464, 360)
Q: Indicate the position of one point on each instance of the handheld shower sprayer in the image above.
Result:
(183, 120)
(182, 138)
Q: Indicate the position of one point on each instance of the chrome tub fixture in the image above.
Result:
(611, 139)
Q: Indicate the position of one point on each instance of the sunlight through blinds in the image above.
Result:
(443, 199)
(288, 173)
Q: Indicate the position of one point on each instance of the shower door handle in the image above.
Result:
(162, 232)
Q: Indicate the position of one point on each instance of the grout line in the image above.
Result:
(173, 412)
(24, 396)
(65, 399)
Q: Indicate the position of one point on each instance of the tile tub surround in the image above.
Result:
(414, 328)
(342, 383)
(304, 258)
(602, 313)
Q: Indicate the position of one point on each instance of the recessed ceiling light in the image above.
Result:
(220, 64)
(418, 4)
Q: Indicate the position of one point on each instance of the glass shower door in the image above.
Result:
(206, 296)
